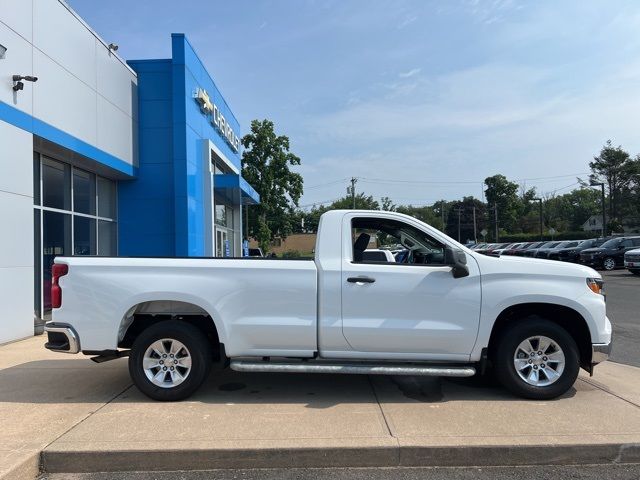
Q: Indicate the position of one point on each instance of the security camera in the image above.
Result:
(113, 46)
(28, 78)
(3, 50)
(17, 81)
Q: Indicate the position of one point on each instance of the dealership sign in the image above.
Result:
(217, 119)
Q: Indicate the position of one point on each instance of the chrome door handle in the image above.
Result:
(361, 280)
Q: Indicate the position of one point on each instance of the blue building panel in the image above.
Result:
(163, 211)
(145, 205)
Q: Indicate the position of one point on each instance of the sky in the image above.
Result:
(420, 100)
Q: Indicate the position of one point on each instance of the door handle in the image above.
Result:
(361, 280)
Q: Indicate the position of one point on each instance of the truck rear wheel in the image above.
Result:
(170, 360)
(536, 358)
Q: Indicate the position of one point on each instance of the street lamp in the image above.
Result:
(604, 218)
(540, 203)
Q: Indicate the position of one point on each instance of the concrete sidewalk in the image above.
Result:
(68, 414)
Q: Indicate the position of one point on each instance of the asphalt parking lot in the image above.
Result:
(623, 308)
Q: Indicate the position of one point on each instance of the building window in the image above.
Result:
(84, 192)
(224, 216)
(74, 214)
(56, 184)
(106, 198)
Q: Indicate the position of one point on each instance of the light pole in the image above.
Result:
(459, 214)
(540, 204)
(604, 217)
(353, 191)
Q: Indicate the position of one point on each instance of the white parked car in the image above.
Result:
(445, 311)
(378, 255)
(632, 261)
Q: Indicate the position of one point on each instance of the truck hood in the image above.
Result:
(536, 266)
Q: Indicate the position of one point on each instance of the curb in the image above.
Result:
(66, 461)
(26, 469)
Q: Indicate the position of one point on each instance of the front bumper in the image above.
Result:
(62, 338)
(592, 262)
(600, 352)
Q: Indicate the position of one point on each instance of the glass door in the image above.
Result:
(222, 243)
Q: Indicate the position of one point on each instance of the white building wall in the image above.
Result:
(83, 89)
(16, 236)
(82, 85)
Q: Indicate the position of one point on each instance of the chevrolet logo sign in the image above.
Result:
(203, 99)
(217, 119)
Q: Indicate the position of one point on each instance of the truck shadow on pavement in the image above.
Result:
(82, 381)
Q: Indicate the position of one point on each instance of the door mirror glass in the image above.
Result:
(458, 261)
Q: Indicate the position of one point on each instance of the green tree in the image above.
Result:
(463, 211)
(504, 194)
(363, 202)
(388, 205)
(425, 214)
(617, 170)
(266, 165)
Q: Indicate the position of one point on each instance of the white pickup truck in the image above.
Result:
(440, 309)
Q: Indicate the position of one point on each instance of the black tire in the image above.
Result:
(609, 263)
(506, 349)
(195, 342)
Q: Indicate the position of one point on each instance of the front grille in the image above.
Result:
(632, 258)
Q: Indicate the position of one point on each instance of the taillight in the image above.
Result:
(57, 271)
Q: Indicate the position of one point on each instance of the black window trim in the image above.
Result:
(393, 264)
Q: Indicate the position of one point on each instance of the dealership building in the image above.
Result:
(101, 156)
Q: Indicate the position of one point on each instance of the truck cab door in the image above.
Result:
(413, 310)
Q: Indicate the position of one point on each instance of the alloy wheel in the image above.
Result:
(539, 361)
(167, 363)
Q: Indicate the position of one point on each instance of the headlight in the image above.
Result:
(596, 285)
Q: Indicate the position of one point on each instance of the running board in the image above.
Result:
(352, 368)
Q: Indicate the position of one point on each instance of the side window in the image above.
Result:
(626, 243)
(381, 240)
(636, 242)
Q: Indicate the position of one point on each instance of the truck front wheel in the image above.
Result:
(170, 360)
(536, 358)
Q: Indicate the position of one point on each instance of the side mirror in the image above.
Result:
(458, 261)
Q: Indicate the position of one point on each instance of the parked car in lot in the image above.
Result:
(554, 253)
(572, 253)
(610, 254)
(378, 255)
(502, 248)
(490, 247)
(511, 249)
(531, 252)
(445, 311)
(522, 252)
(632, 261)
(543, 251)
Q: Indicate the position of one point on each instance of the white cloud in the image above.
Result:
(406, 21)
(410, 73)
(474, 123)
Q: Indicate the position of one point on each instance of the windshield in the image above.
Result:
(613, 243)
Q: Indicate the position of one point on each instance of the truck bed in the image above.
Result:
(258, 305)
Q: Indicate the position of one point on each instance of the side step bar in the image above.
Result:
(352, 368)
